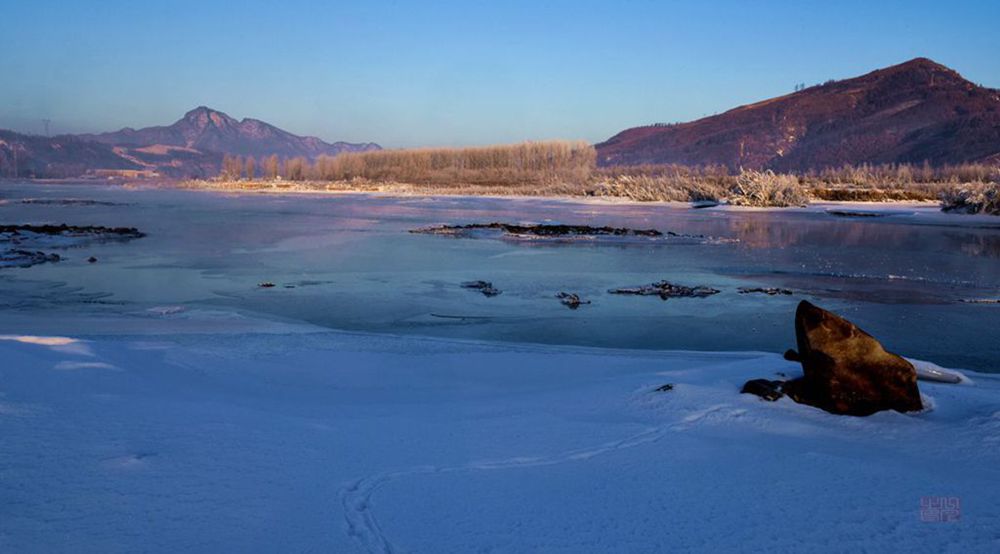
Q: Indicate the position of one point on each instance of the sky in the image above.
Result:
(454, 73)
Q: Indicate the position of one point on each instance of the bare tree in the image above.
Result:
(295, 169)
(237, 168)
(271, 167)
(226, 162)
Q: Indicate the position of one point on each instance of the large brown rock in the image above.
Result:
(847, 371)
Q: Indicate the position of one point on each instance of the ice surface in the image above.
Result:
(349, 262)
(158, 400)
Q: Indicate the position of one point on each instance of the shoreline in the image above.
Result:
(405, 191)
(598, 200)
(414, 190)
(924, 207)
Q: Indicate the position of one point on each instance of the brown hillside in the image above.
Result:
(913, 112)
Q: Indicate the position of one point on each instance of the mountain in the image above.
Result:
(208, 130)
(912, 112)
(62, 156)
(191, 147)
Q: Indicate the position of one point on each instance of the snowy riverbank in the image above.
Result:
(300, 440)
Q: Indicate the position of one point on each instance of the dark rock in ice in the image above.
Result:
(565, 233)
(770, 291)
(68, 202)
(25, 258)
(666, 290)
(90, 231)
(792, 356)
(543, 230)
(764, 388)
(266, 285)
(27, 239)
(665, 388)
(846, 370)
(981, 301)
(91, 260)
(570, 300)
(484, 287)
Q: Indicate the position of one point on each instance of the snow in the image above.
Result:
(284, 438)
(930, 371)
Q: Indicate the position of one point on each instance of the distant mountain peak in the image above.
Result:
(203, 117)
(195, 144)
(198, 110)
(202, 111)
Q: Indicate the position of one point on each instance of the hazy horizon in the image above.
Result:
(448, 73)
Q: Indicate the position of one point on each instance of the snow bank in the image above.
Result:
(336, 442)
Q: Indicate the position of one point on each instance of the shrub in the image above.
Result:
(645, 188)
(982, 198)
(767, 188)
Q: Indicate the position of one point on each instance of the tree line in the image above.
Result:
(529, 162)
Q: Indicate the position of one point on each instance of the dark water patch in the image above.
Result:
(858, 213)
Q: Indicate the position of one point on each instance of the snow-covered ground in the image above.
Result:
(215, 436)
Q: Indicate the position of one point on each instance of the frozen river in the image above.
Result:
(159, 400)
(348, 262)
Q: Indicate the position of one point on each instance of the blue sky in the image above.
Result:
(452, 73)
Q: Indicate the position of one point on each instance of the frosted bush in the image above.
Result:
(766, 188)
(983, 198)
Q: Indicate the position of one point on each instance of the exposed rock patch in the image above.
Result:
(25, 258)
(764, 388)
(565, 233)
(770, 291)
(981, 300)
(484, 287)
(571, 300)
(11, 232)
(665, 290)
(543, 230)
(24, 240)
(846, 370)
(69, 202)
